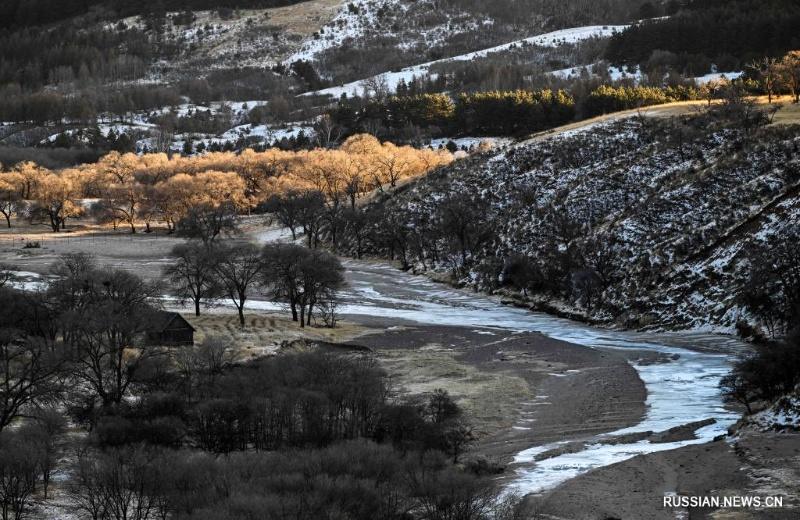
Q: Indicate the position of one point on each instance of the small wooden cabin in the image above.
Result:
(170, 329)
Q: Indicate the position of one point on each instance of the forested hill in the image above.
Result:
(642, 222)
(727, 33)
(26, 13)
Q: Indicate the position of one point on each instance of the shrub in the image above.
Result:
(771, 371)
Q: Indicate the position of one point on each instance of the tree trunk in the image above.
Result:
(8, 220)
(302, 315)
(197, 306)
(241, 314)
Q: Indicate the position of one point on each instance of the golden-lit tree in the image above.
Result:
(55, 200)
(769, 75)
(364, 149)
(790, 73)
(173, 198)
(11, 186)
(30, 173)
(154, 168)
(143, 189)
(120, 187)
(215, 188)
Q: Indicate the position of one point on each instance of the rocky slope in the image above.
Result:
(638, 222)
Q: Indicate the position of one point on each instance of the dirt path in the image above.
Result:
(789, 113)
(668, 110)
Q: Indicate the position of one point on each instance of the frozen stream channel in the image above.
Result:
(682, 391)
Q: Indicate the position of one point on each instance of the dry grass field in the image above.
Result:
(305, 18)
(490, 399)
(252, 37)
(265, 333)
(788, 114)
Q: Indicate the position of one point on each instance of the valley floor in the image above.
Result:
(520, 389)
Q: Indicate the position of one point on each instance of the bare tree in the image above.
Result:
(122, 484)
(281, 274)
(10, 200)
(587, 287)
(304, 279)
(464, 219)
(286, 209)
(376, 87)
(201, 364)
(214, 354)
(54, 201)
(311, 210)
(110, 314)
(356, 223)
(192, 274)
(739, 108)
(769, 74)
(238, 268)
(327, 132)
(736, 388)
(27, 374)
(5, 275)
(322, 275)
(19, 474)
(49, 423)
(207, 222)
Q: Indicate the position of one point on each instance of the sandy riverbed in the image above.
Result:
(752, 464)
(519, 388)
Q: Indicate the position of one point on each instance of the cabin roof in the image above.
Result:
(164, 321)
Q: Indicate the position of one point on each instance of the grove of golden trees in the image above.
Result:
(136, 191)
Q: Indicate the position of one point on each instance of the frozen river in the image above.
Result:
(681, 391)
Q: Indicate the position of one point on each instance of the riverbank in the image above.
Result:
(750, 464)
(520, 389)
(530, 382)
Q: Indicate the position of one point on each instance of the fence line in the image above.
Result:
(20, 241)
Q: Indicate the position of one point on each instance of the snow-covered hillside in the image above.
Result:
(364, 19)
(783, 415)
(390, 80)
(250, 38)
(353, 20)
(636, 75)
(639, 222)
(146, 135)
